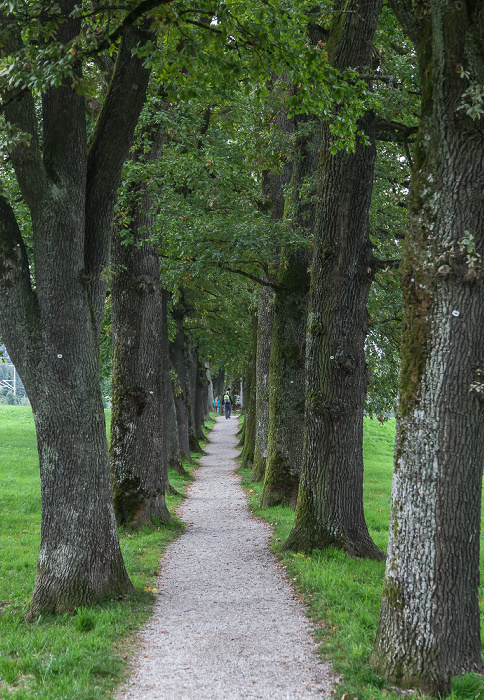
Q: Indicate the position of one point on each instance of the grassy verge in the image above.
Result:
(68, 657)
(342, 594)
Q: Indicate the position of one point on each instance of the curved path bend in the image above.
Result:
(226, 623)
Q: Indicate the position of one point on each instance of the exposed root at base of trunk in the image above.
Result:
(52, 596)
(306, 539)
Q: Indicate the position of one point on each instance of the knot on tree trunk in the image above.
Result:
(347, 363)
(333, 409)
(139, 399)
(460, 260)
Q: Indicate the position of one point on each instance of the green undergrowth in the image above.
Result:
(341, 593)
(68, 657)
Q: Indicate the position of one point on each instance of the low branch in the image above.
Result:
(395, 132)
(258, 280)
(19, 316)
(203, 26)
(19, 109)
(377, 321)
(143, 8)
(385, 264)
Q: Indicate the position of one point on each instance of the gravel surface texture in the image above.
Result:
(226, 624)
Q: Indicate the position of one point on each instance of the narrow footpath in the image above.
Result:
(226, 624)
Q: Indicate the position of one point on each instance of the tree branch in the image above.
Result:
(203, 26)
(385, 264)
(258, 280)
(18, 106)
(388, 130)
(19, 317)
(135, 14)
(108, 150)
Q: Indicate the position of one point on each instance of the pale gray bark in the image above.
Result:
(429, 627)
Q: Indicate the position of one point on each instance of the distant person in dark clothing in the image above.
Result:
(227, 403)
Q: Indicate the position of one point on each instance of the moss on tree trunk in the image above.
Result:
(250, 416)
(330, 500)
(429, 628)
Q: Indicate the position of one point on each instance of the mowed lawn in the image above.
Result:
(342, 594)
(83, 656)
(78, 656)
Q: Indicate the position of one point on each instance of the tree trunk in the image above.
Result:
(250, 418)
(429, 622)
(265, 318)
(330, 500)
(173, 452)
(286, 384)
(138, 442)
(194, 409)
(51, 332)
(287, 361)
(180, 382)
(199, 390)
(208, 394)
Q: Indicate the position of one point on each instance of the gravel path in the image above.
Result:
(226, 624)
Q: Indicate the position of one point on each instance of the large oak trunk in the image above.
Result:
(79, 560)
(193, 403)
(181, 382)
(51, 330)
(429, 623)
(265, 317)
(286, 383)
(247, 455)
(173, 452)
(330, 500)
(200, 395)
(138, 439)
(288, 349)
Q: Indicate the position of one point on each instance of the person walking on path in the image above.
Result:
(227, 402)
(226, 623)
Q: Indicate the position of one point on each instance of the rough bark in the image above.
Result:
(287, 361)
(250, 417)
(181, 396)
(173, 453)
(138, 439)
(200, 395)
(286, 383)
(429, 622)
(330, 500)
(265, 317)
(50, 330)
(273, 184)
(208, 392)
(195, 433)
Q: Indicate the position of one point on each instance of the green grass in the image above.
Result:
(69, 657)
(84, 656)
(342, 594)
